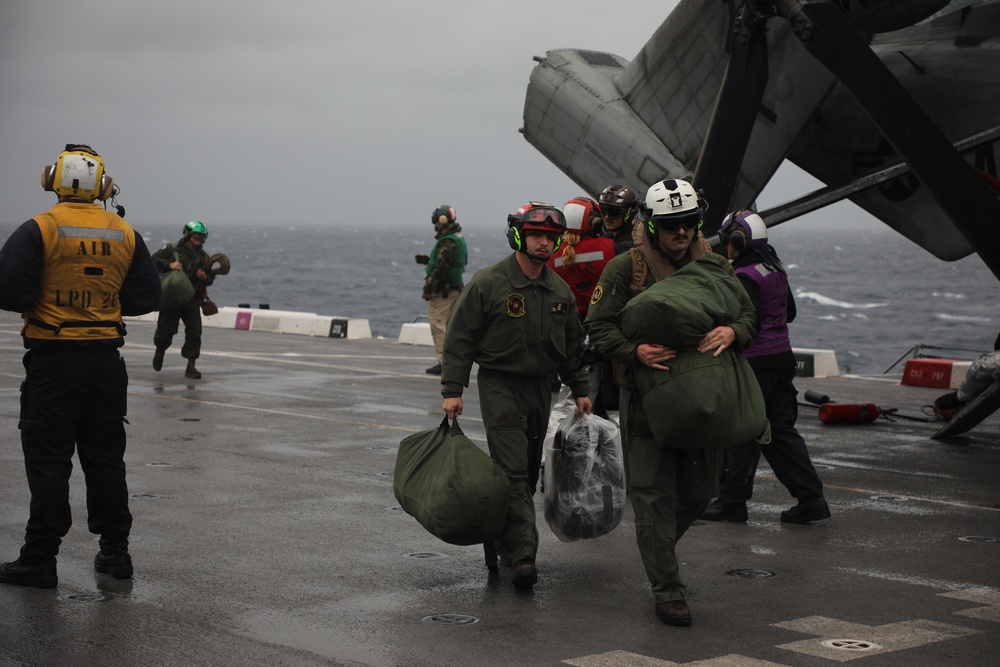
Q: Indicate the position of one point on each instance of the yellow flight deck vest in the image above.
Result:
(87, 252)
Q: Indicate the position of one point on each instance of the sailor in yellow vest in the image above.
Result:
(72, 272)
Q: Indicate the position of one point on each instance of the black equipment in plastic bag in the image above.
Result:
(584, 478)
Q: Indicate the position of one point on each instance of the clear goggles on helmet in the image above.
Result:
(691, 221)
(550, 219)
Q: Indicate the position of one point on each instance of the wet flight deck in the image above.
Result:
(266, 533)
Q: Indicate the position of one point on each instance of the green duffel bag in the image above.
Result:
(702, 401)
(449, 485)
(175, 288)
(678, 311)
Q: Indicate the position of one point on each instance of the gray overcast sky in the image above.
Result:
(300, 112)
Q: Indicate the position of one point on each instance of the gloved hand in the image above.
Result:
(588, 353)
(422, 259)
(426, 296)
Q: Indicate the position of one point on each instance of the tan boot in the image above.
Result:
(191, 371)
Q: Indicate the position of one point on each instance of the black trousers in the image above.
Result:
(74, 397)
(168, 321)
(787, 453)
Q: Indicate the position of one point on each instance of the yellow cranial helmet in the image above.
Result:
(78, 172)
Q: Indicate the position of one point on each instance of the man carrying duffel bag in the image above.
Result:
(517, 320)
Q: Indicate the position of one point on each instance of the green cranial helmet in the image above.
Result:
(195, 227)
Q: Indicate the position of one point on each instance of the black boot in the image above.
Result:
(117, 564)
(807, 511)
(35, 574)
(113, 558)
(158, 358)
(718, 510)
(191, 371)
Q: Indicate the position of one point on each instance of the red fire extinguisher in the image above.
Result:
(849, 413)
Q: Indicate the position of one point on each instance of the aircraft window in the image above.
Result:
(598, 59)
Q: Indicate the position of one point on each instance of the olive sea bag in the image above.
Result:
(702, 401)
(451, 486)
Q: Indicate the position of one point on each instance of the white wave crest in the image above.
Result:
(827, 301)
(945, 317)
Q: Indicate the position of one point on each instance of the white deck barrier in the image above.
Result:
(416, 333)
(810, 363)
(281, 321)
(815, 363)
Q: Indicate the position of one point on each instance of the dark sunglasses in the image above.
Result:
(675, 223)
(612, 211)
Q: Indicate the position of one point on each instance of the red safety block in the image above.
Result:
(928, 373)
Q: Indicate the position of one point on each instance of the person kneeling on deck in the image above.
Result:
(517, 320)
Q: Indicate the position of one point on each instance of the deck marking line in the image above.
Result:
(890, 637)
(919, 498)
(989, 597)
(629, 659)
(275, 412)
(921, 581)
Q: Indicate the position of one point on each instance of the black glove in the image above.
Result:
(588, 353)
(422, 259)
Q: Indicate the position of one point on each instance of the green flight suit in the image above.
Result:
(520, 333)
(669, 487)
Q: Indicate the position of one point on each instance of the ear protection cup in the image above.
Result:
(48, 177)
(107, 186)
(515, 241)
(442, 219)
(513, 237)
(738, 240)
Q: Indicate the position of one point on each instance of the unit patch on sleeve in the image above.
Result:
(596, 296)
(515, 305)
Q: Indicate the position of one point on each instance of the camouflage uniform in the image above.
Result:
(444, 280)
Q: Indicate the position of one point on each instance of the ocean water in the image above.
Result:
(865, 292)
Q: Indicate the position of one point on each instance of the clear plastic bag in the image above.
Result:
(584, 478)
